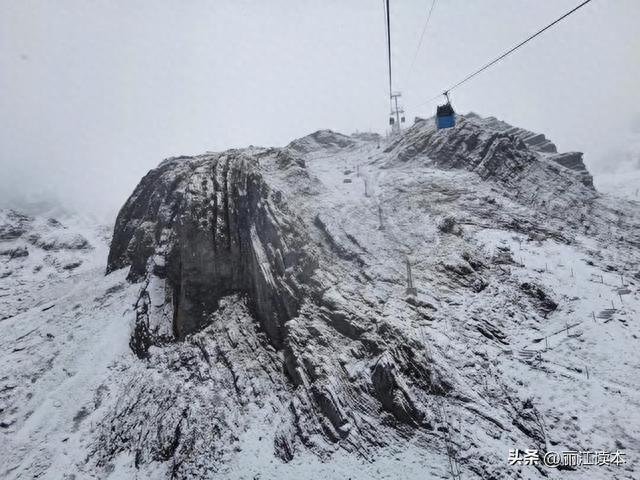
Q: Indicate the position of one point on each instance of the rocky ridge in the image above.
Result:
(259, 236)
(257, 319)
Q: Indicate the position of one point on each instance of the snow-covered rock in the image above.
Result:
(268, 328)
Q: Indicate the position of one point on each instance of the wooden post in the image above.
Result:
(411, 290)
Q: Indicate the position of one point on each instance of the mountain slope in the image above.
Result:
(273, 333)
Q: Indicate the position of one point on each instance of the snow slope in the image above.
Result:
(527, 309)
(63, 326)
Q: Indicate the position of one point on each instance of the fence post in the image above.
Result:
(381, 226)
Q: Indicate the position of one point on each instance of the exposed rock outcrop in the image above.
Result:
(268, 281)
(15, 225)
(323, 139)
(212, 227)
(475, 139)
(573, 161)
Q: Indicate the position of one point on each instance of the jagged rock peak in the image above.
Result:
(474, 138)
(537, 141)
(322, 139)
(211, 226)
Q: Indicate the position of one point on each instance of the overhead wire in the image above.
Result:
(513, 49)
(388, 31)
(424, 30)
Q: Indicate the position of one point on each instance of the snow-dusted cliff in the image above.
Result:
(269, 331)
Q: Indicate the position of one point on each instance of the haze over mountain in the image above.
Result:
(95, 92)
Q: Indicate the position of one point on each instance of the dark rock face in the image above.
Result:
(467, 146)
(573, 161)
(16, 226)
(324, 139)
(537, 141)
(492, 148)
(543, 302)
(59, 242)
(18, 252)
(211, 226)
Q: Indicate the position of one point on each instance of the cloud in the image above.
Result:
(97, 93)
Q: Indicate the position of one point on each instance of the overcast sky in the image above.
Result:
(94, 93)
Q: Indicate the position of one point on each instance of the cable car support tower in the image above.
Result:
(397, 113)
(396, 116)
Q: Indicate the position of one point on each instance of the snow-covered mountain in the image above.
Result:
(257, 319)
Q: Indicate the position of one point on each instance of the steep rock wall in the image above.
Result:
(211, 227)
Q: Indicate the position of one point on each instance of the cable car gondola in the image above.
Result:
(445, 115)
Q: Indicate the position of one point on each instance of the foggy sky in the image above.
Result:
(94, 93)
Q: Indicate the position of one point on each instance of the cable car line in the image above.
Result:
(389, 45)
(496, 60)
(424, 30)
(396, 110)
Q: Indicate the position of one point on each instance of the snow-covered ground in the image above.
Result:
(63, 326)
(520, 321)
(576, 364)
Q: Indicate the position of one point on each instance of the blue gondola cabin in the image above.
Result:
(445, 116)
